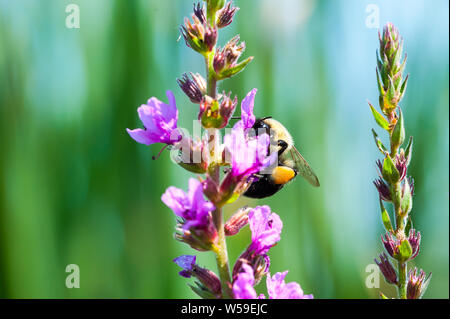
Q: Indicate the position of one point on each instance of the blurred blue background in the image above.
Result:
(76, 189)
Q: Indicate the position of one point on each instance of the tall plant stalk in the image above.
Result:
(401, 241)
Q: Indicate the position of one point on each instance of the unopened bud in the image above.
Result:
(237, 221)
(225, 16)
(193, 85)
(417, 284)
(387, 269)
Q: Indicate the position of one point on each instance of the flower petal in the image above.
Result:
(176, 200)
(247, 105)
(142, 136)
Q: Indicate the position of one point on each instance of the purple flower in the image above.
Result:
(243, 285)
(187, 263)
(248, 103)
(191, 206)
(208, 279)
(278, 289)
(160, 122)
(266, 229)
(248, 156)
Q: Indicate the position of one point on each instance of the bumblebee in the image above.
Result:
(290, 161)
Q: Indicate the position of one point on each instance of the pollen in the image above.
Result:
(282, 174)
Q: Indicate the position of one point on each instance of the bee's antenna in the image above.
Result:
(159, 154)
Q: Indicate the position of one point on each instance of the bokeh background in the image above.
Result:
(76, 189)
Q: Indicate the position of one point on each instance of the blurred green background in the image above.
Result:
(76, 189)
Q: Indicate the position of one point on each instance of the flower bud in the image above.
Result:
(211, 190)
(390, 244)
(225, 60)
(390, 70)
(387, 269)
(194, 86)
(403, 250)
(209, 282)
(237, 221)
(197, 239)
(227, 108)
(417, 284)
(259, 263)
(208, 279)
(209, 113)
(216, 113)
(414, 240)
(189, 155)
(199, 12)
(225, 15)
(383, 190)
(199, 35)
(210, 37)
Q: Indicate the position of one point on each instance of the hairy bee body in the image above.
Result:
(290, 162)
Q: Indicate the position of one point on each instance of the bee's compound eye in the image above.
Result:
(261, 127)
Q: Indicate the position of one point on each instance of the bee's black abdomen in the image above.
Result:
(263, 187)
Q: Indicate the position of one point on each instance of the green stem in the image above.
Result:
(222, 255)
(211, 80)
(402, 268)
(221, 247)
(400, 234)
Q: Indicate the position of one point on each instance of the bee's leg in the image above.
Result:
(283, 146)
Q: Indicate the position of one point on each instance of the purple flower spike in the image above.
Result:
(191, 206)
(186, 262)
(278, 289)
(160, 122)
(266, 229)
(247, 105)
(243, 285)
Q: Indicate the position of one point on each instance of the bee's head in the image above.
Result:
(261, 126)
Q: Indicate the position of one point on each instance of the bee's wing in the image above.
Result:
(303, 168)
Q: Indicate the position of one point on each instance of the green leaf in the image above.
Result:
(380, 84)
(406, 203)
(385, 218)
(408, 151)
(379, 144)
(409, 225)
(381, 121)
(390, 172)
(227, 73)
(403, 87)
(391, 92)
(405, 250)
(201, 291)
(398, 134)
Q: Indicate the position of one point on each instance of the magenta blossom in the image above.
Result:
(160, 122)
(266, 229)
(278, 289)
(248, 103)
(248, 156)
(191, 206)
(243, 285)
